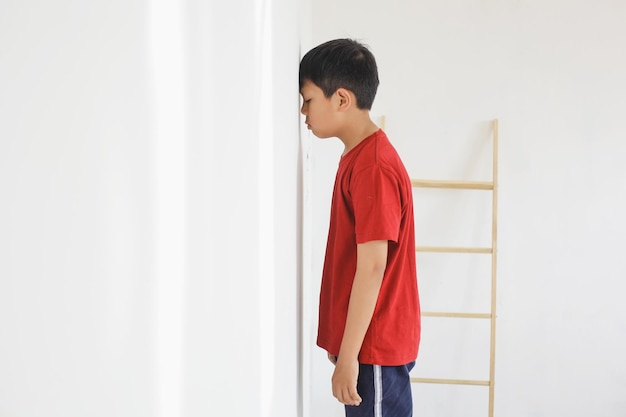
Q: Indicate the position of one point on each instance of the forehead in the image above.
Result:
(309, 87)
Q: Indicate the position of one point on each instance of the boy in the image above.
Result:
(369, 316)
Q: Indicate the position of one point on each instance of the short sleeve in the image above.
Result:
(377, 204)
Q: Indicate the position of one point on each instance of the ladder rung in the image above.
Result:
(450, 381)
(457, 315)
(464, 185)
(452, 249)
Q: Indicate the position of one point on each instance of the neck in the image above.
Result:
(353, 136)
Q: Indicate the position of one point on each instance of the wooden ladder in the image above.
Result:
(472, 185)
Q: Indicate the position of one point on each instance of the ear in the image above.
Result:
(346, 99)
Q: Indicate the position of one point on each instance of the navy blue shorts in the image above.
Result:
(385, 391)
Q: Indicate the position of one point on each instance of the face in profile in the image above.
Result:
(318, 109)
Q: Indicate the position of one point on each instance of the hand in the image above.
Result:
(344, 382)
(332, 358)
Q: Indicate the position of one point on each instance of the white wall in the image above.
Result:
(77, 193)
(553, 73)
(242, 306)
(149, 227)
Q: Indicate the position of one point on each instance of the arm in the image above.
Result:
(371, 263)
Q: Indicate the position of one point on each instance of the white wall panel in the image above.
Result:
(244, 263)
(149, 226)
(76, 254)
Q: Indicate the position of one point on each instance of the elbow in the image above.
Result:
(375, 271)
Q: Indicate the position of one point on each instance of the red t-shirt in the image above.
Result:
(372, 200)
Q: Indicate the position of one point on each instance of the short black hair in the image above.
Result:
(342, 63)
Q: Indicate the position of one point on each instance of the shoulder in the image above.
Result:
(378, 152)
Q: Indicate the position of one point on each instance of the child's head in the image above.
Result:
(342, 63)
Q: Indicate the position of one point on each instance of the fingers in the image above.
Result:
(348, 396)
(344, 382)
(353, 397)
(332, 358)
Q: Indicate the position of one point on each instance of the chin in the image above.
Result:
(323, 135)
